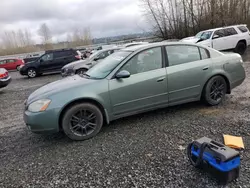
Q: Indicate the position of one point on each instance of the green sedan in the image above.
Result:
(130, 81)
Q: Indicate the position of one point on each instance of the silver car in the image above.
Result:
(82, 66)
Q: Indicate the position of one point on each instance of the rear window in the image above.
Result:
(243, 29)
(204, 53)
(62, 53)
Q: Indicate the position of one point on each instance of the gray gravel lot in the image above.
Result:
(146, 150)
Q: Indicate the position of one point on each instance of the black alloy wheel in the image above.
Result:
(215, 90)
(82, 121)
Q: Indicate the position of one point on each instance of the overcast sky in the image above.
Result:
(104, 17)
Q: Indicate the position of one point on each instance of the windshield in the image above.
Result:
(101, 70)
(198, 35)
(93, 55)
(204, 35)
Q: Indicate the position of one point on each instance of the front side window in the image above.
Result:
(47, 57)
(178, 54)
(220, 33)
(145, 61)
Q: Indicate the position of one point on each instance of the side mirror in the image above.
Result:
(41, 60)
(216, 36)
(122, 74)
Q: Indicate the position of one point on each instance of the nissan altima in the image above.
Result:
(130, 81)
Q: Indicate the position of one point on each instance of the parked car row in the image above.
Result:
(130, 81)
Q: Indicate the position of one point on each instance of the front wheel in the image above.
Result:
(82, 121)
(32, 73)
(215, 90)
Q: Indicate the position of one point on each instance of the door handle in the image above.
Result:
(205, 68)
(160, 79)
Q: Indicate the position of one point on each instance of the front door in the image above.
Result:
(187, 72)
(146, 88)
(47, 63)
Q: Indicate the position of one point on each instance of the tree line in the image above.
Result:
(14, 42)
(181, 18)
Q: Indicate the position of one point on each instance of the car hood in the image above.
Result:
(190, 39)
(58, 86)
(76, 63)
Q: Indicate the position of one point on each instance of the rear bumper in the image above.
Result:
(5, 82)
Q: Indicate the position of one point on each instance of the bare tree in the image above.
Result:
(46, 36)
(180, 18)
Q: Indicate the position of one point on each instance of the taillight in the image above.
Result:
(78, 57)
(4, 75)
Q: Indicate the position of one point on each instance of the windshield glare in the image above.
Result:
(101, 70)
(204, 35)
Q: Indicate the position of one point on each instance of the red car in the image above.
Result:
(11, 64)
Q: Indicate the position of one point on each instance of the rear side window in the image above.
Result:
(243, 29)
(2, 62)
(62, 54)
(230, 31)
(176, 55)
(204, 53)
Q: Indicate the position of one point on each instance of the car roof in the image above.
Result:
(225, 27)
(156, 44)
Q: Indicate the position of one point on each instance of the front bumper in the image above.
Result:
(5, 81)
(67, 72)
(42, 122)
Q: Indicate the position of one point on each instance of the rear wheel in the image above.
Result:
(215, 90)
(240, 48)
(32, 73)
(81, 71)
(82, 121)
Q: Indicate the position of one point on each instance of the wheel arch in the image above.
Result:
(81, 100)
(222, 75)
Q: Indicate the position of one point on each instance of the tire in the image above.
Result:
(76, 121)
(240, 48)
(81, 71)
(18, 68)
(214, 91)
(32, 73)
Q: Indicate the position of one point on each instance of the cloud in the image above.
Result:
(103, 17)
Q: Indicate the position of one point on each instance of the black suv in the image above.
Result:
(51, 61)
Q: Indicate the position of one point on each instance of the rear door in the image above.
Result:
(231, 38)
(187, 72)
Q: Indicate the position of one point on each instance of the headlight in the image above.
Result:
(39, 105)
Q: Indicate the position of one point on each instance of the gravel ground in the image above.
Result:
(146, 150)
